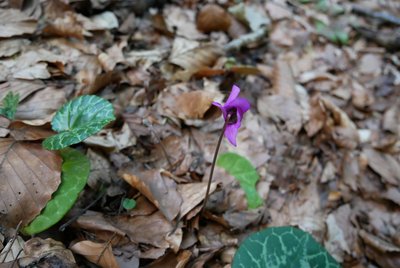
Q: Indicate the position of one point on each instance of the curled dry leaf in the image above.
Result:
(11, 47)
(182, 22)
(150, 229)
(385, 165)
(98, 253)
(21, 87)
(159, 189)
(13, 22)
(192, 56)
(29, 176)
(66, 26)
(45, 252)
(192, 195)
(212, 17)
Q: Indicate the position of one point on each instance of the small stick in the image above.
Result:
(213, 163)
(12, 240)
(105, 247)
(74, 218)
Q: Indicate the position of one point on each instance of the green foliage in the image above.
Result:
(75, 171)
(10, 103)
(79, 119)
(128, 203)
(337, 36)
(282, 247)
(241, 168)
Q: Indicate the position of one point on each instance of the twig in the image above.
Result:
(12, 240)
(213, 163)
(383, 16)
(105, 247)
(246, 39)
(74, 218)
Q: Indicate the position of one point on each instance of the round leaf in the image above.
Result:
(129, 203)
(282, 247)
(75, 171)
(79, 119)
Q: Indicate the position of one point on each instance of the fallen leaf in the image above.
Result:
(150, 229)
(385, 165)
(212, 17)
(41, 105)
(10, 47)
(24, 164)
(23, 132)
(159, 189)
(46, 252)
(13, 22)
(182, 22)
(97, 253)
(192, 195)
(279, 108)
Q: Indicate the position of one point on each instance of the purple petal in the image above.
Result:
(231, 133)
(241, 104)
(234, 93)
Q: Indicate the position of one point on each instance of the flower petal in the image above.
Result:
(241, 104)
(234, 93)
(231, 132)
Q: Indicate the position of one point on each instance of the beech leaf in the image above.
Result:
(243, 171)
(75, 171)
(29, 175)
(281, 247)
(79, 119)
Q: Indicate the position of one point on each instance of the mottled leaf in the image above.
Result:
(240, 168)
(10, 103)
(79, 119)
(75, 171)
(282, 247)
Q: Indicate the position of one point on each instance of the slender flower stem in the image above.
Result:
(213, 163)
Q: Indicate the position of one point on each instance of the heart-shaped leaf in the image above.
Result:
(29, 175)
(75, 171)
(282, 247)
(79, 119)
(241, 168)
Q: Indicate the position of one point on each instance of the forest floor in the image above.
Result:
(323, 129)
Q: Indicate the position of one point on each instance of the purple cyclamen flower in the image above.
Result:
(233, 111)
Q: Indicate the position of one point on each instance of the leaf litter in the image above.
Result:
(322, 132)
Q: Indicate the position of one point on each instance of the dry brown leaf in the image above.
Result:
(41, 105)
(98, 253)
(192, 56)
(182, 22)
(66, 26)
(159, 189)
(45, 252)
(192, 195)
(10, 47)
(279, 108)
(23, 132)
(150, 229)
(278, 11)
(193, 104)
(21, 87)
(13, 22)
(95, 221)
(172, 260)
(342, 236)
(4, 123)
(12, 251)
(283, 80)
(385, 165)
(29, 176)
(212, 17)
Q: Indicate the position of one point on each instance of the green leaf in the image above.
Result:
(282, 247)
(336, 36)
(10, 103)
(129, 203)
(241, 168)
(75, 171)
(79, 119)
